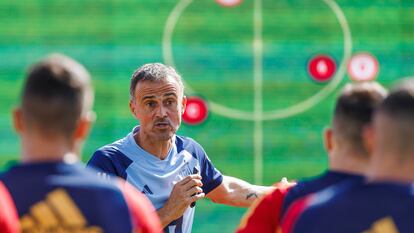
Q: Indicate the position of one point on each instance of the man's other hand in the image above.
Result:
(185, 192)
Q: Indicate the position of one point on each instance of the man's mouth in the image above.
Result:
(162, 124)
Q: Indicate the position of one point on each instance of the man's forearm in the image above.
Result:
(237, 192)
(258, 191)
(244, 197)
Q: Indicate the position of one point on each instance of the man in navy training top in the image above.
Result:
(173, 171)
(348, 157)
(385, 201)
(51, 190)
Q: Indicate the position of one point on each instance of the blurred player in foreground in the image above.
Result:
(173, 171)
(51, 190)
(348, 157)
(384, 203)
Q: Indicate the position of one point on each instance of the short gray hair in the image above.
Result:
(153, 72)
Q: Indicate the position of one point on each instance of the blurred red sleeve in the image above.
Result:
(264, 215)
(9, 220)
(293, 213)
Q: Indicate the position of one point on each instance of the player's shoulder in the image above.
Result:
(95, 182)
(110, 159)
(190, 145)
(114, 148)
(114, 151)
(305, 213)
(87, 178)
(186, 141)
(70, 175)
(385, 190)
(357, 204)
(363, 191)
(335, 196)
(322, 181)
(327, 178)
(303, 188)
(108, 151)
(78, 175)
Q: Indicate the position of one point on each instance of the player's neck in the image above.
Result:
(44, 149)
(348, 161)
(390, 168)
(158, 148)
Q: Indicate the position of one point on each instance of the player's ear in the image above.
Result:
(81, 132)
(132, 107)
(84, 126)
(18, 120)
(328, 139)
(183, 104)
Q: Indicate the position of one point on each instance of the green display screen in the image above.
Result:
(255, 63)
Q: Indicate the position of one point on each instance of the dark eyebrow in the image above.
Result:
(170, 94)
(148, 97)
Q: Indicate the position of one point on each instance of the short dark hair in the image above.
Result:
(153, 72)
(398, 107)
(354, 110)
(400, 101)
(56, 93)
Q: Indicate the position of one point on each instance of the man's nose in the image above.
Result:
(162, 111)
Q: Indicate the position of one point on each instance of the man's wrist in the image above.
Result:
(165, 216)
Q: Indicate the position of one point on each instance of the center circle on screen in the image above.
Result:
(277, 113)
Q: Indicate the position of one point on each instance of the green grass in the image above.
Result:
(212, 49)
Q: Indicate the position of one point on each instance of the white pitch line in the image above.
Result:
(333, 84)
(258, 91)
(294, 109)
(258, 116)
(168, 33)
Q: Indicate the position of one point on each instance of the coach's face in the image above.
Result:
(159, 107)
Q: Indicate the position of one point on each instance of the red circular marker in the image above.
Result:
(196, 111)
(229, 3)
(363, 67)
(321, 68)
